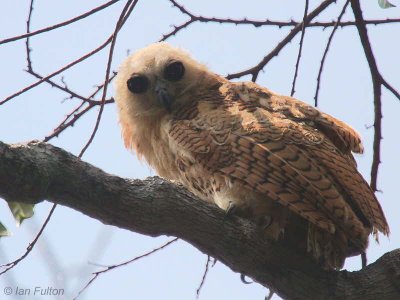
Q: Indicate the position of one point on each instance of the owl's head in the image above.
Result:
(156, 79)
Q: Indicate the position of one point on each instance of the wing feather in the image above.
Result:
(288, 151)
(337, 158)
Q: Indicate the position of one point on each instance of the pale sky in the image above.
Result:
(73, 243)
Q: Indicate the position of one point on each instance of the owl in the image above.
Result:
(256, 154)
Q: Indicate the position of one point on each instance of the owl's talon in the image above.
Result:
(243, 279)
(265, 222)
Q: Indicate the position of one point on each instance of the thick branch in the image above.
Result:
(37, 171)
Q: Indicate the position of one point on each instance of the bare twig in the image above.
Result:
(326, 52)
(390, 88)
(203, 278)
(76, 114)
(176, 29)
(256, 23)
(44, 79)
(30, 70)
(130, 5)
(32, 244)
(64, 124)
(377, 82)
(101, 86)
(62, 24)
(254, 71)
(303, 31)
(109, 268)
(280, 24)
(60, 87)
(377, 87)
(27, 47)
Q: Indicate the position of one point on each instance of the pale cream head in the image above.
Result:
(156, 79)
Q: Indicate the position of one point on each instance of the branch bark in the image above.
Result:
(37, 171)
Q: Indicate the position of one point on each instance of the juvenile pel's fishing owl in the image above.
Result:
(250, 150)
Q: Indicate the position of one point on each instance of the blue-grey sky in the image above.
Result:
(73, 242)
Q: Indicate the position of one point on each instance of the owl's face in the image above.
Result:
(156, 79)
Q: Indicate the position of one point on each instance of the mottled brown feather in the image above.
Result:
(270, 155)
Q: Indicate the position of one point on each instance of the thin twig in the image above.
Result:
(55, 26)
(76, 113)
(303, 31)
(203, 278)
(35, 74)
(326, 52)
(176, 29)
(390, 88)
(280, 24)
(32, 244)
(377, 88)
(101, 86)
(257, 23)
(62, 88)
(108, 268)
(254, 71)
(130, 5)
(44, 79)
(28, 29)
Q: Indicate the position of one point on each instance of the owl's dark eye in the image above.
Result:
(138, 84)
(174, 71)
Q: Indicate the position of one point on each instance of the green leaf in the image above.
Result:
(385, 4)
(21, 211)
(4, 231)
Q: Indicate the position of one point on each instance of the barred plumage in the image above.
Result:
(241, 145)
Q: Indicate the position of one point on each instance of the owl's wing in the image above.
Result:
(287, 160)
(343, 137)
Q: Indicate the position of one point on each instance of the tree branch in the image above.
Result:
(37, 171)
(377, 82)
(62, 24)
(254, 71)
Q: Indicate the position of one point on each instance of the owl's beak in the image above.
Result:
(162, 95)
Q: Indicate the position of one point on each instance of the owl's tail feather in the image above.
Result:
(330, 250)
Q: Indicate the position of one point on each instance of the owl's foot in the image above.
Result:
(270, 226)
(243, 279)
(265, 222)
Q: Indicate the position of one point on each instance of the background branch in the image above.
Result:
(377, 82)
(254, 71)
